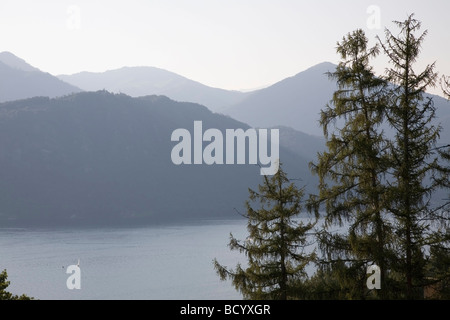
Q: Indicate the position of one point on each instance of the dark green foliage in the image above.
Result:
(437, 273)
(381, 186)
(445, 85)
(416, 168)
(337, 280)
(275, 244)
(352, 171)
(5, 295)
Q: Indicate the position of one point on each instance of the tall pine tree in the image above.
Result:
(276, 244)
(352, 171)
(416, 167)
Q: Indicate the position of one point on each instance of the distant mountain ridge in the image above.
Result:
(293, 102)
(297, 101)
(19, 80)
(142, 81)
(15, 62)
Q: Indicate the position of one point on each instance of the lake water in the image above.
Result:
(164, 262)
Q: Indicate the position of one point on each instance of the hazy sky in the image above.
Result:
(230, 44)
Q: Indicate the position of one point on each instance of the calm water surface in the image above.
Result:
(169, 262)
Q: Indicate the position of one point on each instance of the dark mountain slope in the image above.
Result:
(98, 158)
(294, 102)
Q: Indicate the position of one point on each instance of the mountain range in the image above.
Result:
(19, 80)
(142, 81)
(293, 102)
(94, 148)
(98, 158)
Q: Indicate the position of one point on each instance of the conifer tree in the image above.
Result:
(445, 85)
(276, 244)
(438, 263)
(416, 166)
(5, 295)
(352, 170)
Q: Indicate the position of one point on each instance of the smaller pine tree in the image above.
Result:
(5, 295)
(276, 244)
